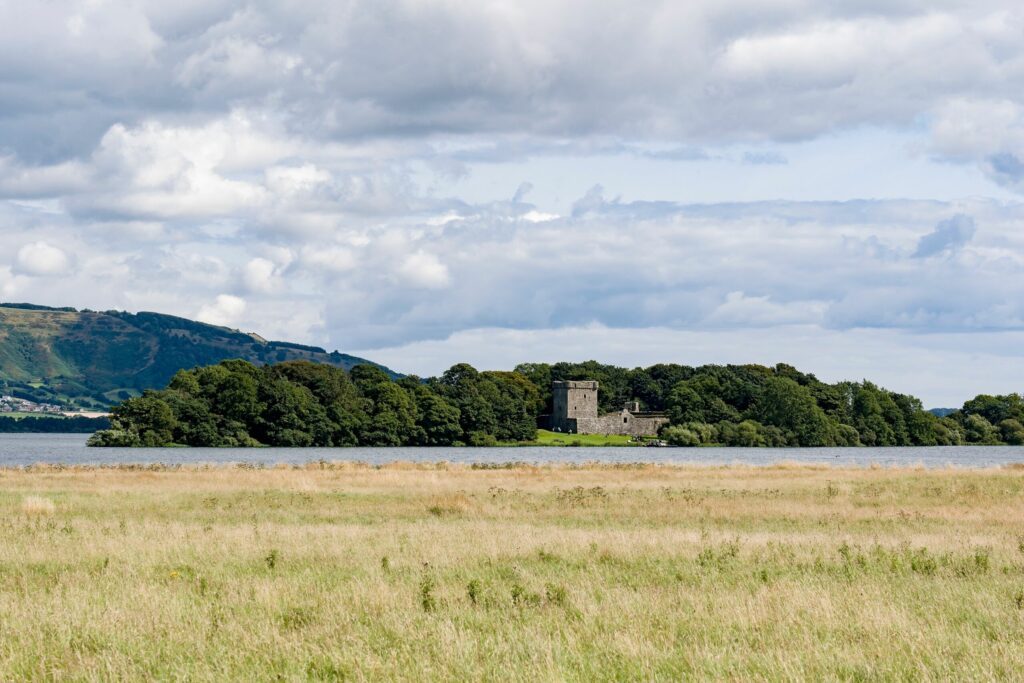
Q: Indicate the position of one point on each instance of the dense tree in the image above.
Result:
(145, 421)
(235, 403)
(791, 407)
(995, 409)
(50, 424)
(437, 420)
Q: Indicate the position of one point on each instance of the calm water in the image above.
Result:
(70, 449)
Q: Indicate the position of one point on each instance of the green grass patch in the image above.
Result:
(21, 416)
(549, 438)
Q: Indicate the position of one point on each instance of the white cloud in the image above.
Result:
(425, 270)
(237, 63)
(42, 259)
(330, 259)
(738, 309)
(705, 71)
(261, 275)
(160, 171)
(295, 180)
(226, 310)
(535, 216)
(191, 268)
(8, 282)
(989, 133)
(384, 174)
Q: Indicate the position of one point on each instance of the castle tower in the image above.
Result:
(572, 401)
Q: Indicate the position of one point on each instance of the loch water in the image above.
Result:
(19, 450)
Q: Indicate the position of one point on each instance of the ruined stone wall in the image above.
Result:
(574, 410)
(621, 423)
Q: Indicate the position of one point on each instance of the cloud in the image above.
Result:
(382, 175)
(764, 158)
(593, 200)
(261, 275)
(948, 235)
(688, 75)
(8, 283)
(330, 259)
(740, 309)
(226, 310)
(424, 270)
(986, 132)
(42, 259)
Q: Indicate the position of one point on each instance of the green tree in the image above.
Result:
(344, 408)
(475, 398)
(148, 417)
(978, 430)
(437, 420)
(1011, 431)
(792, 408)
(392, 419)
(869, 419)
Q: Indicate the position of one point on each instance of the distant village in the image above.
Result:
(12, 404)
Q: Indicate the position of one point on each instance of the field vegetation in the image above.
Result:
(431, 572)
(546, 437)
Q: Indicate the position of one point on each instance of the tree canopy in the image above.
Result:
(236, 403)
(298, 403)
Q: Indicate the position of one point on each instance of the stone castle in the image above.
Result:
(574, 411)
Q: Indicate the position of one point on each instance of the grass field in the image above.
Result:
(547, 438)
(556, 573)
(22, 416)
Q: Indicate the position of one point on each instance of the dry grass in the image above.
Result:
(37, 505)
(414, 572)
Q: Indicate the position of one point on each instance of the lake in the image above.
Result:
(17, 450)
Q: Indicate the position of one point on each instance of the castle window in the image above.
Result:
(625, 420)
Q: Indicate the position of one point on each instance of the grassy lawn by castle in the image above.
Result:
(552, 573)
(548, 438)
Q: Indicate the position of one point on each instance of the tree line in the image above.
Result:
(52, 425)
(298, 403)
(755, 405)
(236, 403)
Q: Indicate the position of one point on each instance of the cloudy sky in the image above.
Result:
(829, 183)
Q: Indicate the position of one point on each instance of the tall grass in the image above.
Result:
(37, 505)
(409, 572)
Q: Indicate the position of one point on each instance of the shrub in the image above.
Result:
(427, 600)
(271, 559)
(482, 439)
(556, 594)
(680, 436)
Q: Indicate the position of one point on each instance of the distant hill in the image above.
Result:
(92, 359)
(942, 412)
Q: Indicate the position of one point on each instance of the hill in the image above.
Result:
(91, 359)
(942, 412)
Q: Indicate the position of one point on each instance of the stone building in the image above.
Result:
(575, 411)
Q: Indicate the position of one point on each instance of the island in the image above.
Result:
(300, 403)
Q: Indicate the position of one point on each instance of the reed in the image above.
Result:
(442, 572)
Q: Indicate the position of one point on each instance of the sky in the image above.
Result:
(832, 184)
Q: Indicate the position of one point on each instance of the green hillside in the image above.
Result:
(91, 359)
